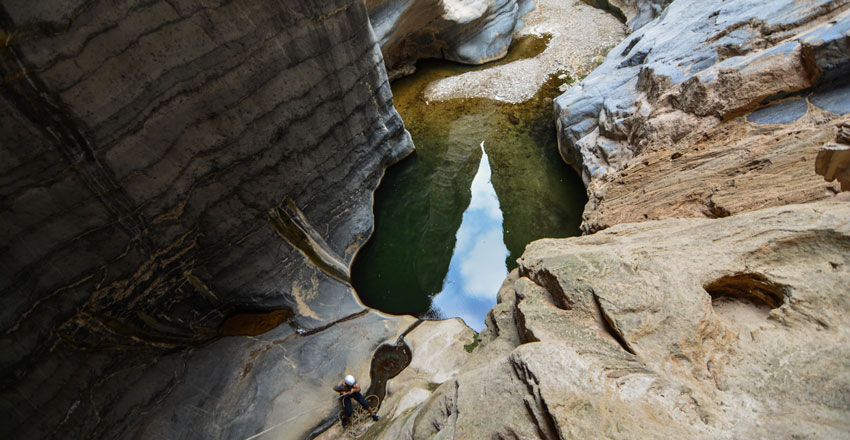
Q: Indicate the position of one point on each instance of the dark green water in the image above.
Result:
(433, 254)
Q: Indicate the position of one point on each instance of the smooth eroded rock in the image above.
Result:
(682, 328)
(466, 31)
(145, 145)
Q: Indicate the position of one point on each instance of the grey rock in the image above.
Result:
(144, 146)
(835, 100)
(784, 112)
(706, 61)
(640, 12)
(635, 13)
(466, 31)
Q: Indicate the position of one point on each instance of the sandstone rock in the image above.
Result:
(466, 31)
(701, 63)
(144, 146)
(731, 168)
(833, 161)
(438, 353)
(681, 328)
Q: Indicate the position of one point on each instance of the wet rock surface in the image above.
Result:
(145, 147)
(698, 328)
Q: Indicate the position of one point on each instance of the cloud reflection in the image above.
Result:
(477, 267)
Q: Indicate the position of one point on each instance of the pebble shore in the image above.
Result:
(580, 37)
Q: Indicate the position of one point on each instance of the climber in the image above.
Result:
(347, 389)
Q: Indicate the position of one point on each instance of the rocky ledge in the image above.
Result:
(679, 328)
(466, 31)
(710, 110)
(698, 65)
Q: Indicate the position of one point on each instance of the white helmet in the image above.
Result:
(349, 380)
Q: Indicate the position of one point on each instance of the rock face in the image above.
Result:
(640, 12)
(833, 161)
(173, 172)
(697, 65)
(680, 328)
(466, 31)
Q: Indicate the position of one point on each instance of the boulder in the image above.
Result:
(466, 31)
(683, 328)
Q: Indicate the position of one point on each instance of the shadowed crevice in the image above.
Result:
(610, 327)
(753, 288)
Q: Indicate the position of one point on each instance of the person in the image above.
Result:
(349, 388)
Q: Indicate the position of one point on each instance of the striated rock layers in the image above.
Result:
(466, 31)
(173, 172)
(709, 110)
(679, 328)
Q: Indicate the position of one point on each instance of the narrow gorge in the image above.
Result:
(186, 186)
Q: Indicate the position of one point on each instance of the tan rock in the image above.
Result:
(833, 161)
(443, 340)
(681, 328)
(731, 168)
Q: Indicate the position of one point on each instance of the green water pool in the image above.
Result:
(452, 218)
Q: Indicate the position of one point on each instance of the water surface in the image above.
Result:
(452, 218)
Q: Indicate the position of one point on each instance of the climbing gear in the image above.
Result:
(349, 380)
(357, 424)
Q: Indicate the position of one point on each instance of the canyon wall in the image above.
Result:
(178, 176)
(710, 110)
(465, 31)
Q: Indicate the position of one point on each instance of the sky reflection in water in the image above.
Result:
(477, 267)
(426, 256)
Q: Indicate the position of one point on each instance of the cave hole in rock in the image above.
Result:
(744, 297)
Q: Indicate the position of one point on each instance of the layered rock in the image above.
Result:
(466, 31)
(698, 65)
(680, 328)
(174, 172)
